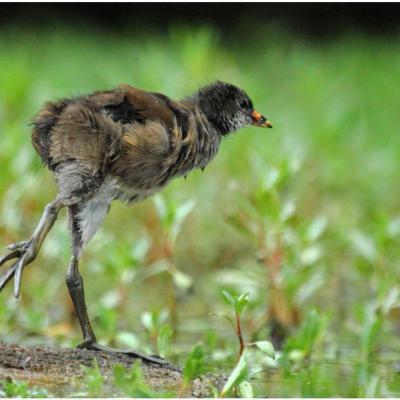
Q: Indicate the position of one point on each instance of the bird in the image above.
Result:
(121, 144)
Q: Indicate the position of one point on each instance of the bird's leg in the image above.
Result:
(76, 291)
(26, 251)
(75, 287)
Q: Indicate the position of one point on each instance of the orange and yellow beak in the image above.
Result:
(260, 120)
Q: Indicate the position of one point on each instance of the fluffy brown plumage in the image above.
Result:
(121, 144)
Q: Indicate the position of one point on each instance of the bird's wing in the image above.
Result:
(148, 152)
(127, 105)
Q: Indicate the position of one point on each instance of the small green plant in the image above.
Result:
(374, 315)
(12, 388)
(194, 364)
(163, 339)
(131, 383)
(107, 321)
(238, 303)
(301, 345)
(238, 380)
(171, 217)
(269, 217)
(159, 332)
(94, 381)
(239, 375)
(193, 368)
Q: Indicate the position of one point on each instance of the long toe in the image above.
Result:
(19, 245)
(9, 256)
(132, 353)
(23, 253)
(6, 275)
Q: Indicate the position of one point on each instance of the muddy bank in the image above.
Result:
(62, 372)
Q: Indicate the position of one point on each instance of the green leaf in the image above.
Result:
(393, 227)
(310, 255)
(128, 340)
(194, 365)
(131, 382)
(372, 325)
(316, 228)
(246, 390)
(15, 389)
(241, 303)
(140, 250)
(181, 213)
(163, 339)
(308, 334)
(181, 279)
(94, 380)
(288, 210)
(271, 178)
(296, 355)
(147, 320)
(238, 375)
(161, 207)
(230, 297)
(153, 320)
(391, 300)
(266, 347)
(365, 246)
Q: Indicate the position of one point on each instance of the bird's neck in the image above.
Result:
(215, 119)
(200, 141)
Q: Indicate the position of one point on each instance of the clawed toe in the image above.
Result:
(16, 251)
(89, 345)
(24, 253)
(7, 257)
(19, 245)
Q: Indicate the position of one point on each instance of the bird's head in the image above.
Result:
(228, 108)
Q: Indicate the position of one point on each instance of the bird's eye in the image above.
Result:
(244, 104)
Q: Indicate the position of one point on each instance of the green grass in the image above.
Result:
(320, 191)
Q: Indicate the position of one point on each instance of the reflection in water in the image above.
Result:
(330, 379)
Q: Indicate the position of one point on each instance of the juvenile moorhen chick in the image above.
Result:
(123, 144)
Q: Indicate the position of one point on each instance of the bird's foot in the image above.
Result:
(24, 252)
(154, 359)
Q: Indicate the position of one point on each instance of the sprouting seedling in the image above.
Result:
(12, 388)
(132, 383)
(238, 379)
(265, 214)
(301, 345)
(238, 303)
(172, 217)
(194, 367)
(239, 375)
(153, 322)
(164, 336)
(94, 380)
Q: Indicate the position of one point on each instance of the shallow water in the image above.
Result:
(327, 378)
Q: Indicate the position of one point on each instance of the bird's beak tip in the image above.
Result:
(260, 120)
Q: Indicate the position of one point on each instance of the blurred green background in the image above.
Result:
(304, 217)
